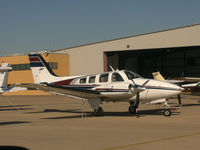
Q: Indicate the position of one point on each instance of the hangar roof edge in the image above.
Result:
(127, 37)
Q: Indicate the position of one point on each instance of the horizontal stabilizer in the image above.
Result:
(66, 90)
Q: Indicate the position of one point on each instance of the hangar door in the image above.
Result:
(171, 62)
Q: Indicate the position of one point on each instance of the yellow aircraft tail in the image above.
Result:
(158, 76)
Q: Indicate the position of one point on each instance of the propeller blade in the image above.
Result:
(140, 85)
(137, 99)
(138, 89)
(145, 83)
(134, 83)
(181, 79)
(179, 100)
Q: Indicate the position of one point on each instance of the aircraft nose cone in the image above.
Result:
(172, 89)
(175, 87)
(180, 88)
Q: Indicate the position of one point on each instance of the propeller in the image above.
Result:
(179, 96)
(138, 89)
(179, 100)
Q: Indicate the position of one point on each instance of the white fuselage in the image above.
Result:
(118, 90)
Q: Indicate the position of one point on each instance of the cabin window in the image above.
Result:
(132, 75)
(103, 78)
(116, 77)
(92, 79)
(82, 80)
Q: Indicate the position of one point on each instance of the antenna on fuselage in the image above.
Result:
(111, 68)
(46, 52)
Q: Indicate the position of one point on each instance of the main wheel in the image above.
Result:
(132, 110)
(98, 111)
(167, 113)
(198, 101)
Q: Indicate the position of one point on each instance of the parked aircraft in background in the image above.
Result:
(192, 88)
(190, 79)
(113, 86)
(189, 89)
(4, 88)
(158, 76)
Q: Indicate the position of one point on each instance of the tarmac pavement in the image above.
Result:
(57, 122)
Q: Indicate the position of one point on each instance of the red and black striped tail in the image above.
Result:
(36, 60)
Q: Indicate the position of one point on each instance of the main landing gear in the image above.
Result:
(132, 108)
(198, 101)
(98, 111)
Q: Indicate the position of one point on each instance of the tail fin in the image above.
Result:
(158, 76)
(40, 69)
(4, 69)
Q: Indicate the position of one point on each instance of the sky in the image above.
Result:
(38, 25)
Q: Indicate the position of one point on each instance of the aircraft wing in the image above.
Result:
(83, 92)
(191, 79)
(63, 90)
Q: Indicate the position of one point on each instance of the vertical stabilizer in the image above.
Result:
(158, 76)
(40, 69)
(4, 69)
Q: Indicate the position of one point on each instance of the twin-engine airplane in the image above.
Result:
(4, 88)
(113, 86)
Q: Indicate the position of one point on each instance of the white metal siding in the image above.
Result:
(89, 58)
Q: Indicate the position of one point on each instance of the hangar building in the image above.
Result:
(172, 52)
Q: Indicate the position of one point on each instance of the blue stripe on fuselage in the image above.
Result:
(36, 64)
(162, 88)
(113, 90)
(118, 90)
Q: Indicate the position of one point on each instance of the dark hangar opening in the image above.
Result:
(171, 62)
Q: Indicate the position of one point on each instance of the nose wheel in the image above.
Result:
(167, 113)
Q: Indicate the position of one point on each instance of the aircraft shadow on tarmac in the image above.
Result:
(12, 148)
(14, 107)
(13, 122)
(141, 113)
(187, 105)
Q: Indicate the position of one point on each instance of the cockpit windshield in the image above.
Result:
(132, 75)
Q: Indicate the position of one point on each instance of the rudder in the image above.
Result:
(40, 69)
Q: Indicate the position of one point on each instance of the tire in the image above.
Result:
(132, 110)
(99, 111)
(167, 113)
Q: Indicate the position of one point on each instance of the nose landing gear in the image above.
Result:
(167, 112)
